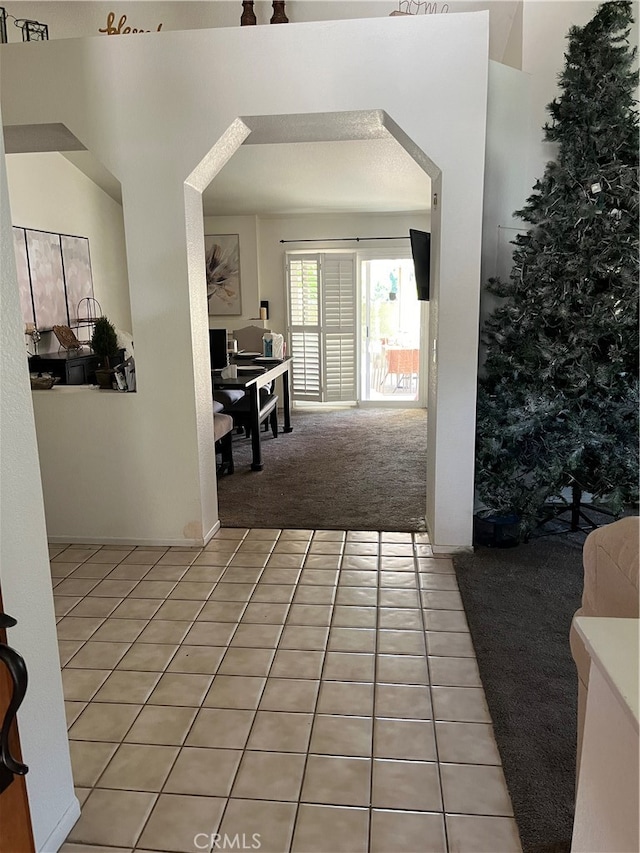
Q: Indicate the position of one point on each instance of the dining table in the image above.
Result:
(401, 362)
(254, 373)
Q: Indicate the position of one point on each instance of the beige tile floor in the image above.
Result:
(280, 690)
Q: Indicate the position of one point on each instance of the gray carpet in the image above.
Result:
(519, 603)
(354, 469)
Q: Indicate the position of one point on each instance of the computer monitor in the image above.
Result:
(218, 348)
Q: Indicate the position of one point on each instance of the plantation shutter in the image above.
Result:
(339, 328)
(322, 326)
(303, 273)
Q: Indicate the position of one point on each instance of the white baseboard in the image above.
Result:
(449, 550)
(212, 532)
(446, 550)
(101, 540)
(62, 829)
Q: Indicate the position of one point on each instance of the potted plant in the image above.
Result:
(104, 343)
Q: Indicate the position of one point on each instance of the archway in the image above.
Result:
(284, 129)
(428, 72)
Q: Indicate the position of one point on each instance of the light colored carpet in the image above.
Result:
(350, 469)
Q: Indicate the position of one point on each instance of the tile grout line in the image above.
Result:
(180, 746)
(317, 701)
(375, 690)
(266, 678)
(133, 721)
(433, 710)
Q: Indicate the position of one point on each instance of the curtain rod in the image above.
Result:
(344, 239)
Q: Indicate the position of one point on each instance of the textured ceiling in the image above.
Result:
(318, 177)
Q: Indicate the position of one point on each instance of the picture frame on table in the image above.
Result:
(222, 267)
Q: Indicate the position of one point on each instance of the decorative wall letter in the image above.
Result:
(121, 29)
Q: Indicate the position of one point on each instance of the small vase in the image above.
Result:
(248, 18)
(279, 16)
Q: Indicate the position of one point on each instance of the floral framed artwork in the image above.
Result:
(222, 266)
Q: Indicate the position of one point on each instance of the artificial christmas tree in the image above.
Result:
(558, 398)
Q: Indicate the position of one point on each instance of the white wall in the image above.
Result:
(545, 27)
(24, 570)
(513, 49)
(49, 193)
(508, 135)
(152, 135)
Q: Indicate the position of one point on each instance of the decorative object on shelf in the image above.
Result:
(129, 371)
(104, 343)
(122, 28)
(248, 18)
(279, 15)
(31, 30)
(87, 312)
(31, 330)
(420, 7)
(264, 304)
(222, 267)
(42, 381)
(66, 338)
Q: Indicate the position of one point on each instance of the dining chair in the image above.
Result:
(249, 338)
(223, 439)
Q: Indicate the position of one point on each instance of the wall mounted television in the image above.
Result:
(218, 348)
(421, 251)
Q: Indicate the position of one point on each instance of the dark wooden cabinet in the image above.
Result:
(70, 368)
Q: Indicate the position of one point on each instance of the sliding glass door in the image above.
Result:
(348, 347)
(391, 332)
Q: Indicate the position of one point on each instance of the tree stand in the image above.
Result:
(578, 520)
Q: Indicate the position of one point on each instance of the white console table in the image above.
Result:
(606, 817)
